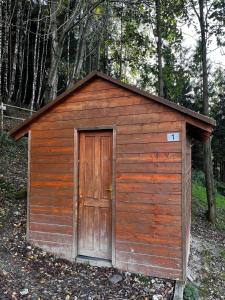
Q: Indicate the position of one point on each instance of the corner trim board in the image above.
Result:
(28, 186)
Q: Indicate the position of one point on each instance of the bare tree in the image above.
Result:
(159, 47)
(80, 12)
(201, 13)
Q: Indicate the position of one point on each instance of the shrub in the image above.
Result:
(190, 292)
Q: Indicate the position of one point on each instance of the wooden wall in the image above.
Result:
(148, 177)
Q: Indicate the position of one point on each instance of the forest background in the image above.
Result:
(46, 46)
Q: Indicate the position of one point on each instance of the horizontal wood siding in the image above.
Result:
(148, 177)
(51, 191)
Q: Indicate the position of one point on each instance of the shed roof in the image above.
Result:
(95, 74)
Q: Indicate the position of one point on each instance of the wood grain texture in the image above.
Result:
(147, 187)
(95, 207)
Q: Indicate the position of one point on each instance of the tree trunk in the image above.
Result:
(210, 187)
(15, 57)
(159, 48)
(35, 62)
(56, 51)
(1, 51)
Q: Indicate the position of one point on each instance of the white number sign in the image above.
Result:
(173, 137)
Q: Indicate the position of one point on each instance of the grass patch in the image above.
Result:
(190, 292)
(222, 254)
(199, 192)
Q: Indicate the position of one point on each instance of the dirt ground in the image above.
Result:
(207, 258)
(29, 273)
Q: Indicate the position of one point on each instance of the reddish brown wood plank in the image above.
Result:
(144, 218)
(52, 159)
(149, 147)
(157, 209)
(51, 192)
(155, 198)
(143, 138)
(51, 200)
(170, 188)
(75, 123)
(53, 142)
(40, 150)
(111, 92)
(60, 249)
(149, 229)
(56, 184)
(149, 118)
(98, 104)
(51, 228)
(51, 210)
(51, 237)
(148, 238)
(143, 259)
(42, 134)
(52, 168)
(57, 220)
(150, 178)
(147, 269)
(147, 128)
(149, 157)
(51, 176)
(97, 84)
(149, 249)
(156, 168)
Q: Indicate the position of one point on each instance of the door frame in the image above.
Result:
(76, 188)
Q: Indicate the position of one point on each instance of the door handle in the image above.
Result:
(110, 190)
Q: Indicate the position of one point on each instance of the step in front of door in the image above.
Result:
(94, 261)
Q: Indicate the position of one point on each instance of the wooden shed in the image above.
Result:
(110, 177)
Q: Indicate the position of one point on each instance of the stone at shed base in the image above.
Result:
(179, 290)
(115, 279)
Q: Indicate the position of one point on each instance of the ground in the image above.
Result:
(207, 259)
(29, 273)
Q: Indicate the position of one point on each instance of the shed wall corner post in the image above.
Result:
(183, 203)
(75, 195)
(28, 184)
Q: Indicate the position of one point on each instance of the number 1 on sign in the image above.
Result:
(173, 137)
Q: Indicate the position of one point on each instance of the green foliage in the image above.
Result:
(199, 192)
(21, 194)
(222, 254)
(7, 141)
(190, 292)
(144, 279)
(198, 177)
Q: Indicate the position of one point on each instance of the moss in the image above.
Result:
(21, 194)
(191, 292)
(206, 256)
(222, 254)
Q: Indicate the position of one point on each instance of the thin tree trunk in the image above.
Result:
(27, 66)
(160, 83)
(6, 49)
(43, 60)
(35, 62)
(1, 26)
(15, 57)
(121, 44)
(56, 51)
(210, 187)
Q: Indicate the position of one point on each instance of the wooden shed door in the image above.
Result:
(95, 182)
